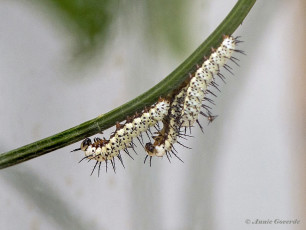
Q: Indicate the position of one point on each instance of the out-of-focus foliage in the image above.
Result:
(166, 23)
(90, 20)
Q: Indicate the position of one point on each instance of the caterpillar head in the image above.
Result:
(85, 144)
(150, 149)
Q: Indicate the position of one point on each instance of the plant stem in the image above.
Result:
(166, 86)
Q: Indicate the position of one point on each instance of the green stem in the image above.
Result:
(171, 82)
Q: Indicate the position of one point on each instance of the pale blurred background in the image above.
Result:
(57, 72)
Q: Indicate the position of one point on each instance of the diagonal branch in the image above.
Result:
(105, 121)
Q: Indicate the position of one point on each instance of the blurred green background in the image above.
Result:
(90, 21)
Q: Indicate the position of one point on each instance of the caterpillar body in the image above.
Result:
(202, 79)
(179, 110)
(187, 104)
(106, 150)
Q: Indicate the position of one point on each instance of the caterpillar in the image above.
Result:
(179, 110)
(203, 78)
(187, 104)
(103, 150)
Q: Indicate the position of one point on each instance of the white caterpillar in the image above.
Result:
(105, 150)
(187, 104)
(204, 77)
(181, 111)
